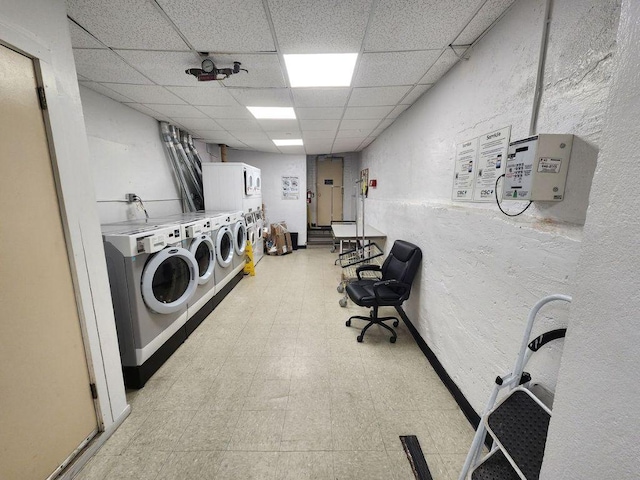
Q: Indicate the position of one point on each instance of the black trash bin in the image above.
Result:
(294, 240)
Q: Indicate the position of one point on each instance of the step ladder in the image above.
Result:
(519, 422)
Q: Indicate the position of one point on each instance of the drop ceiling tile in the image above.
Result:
(320, 26)
(106, 91)
(320, 113)
(367, 142)
(177, 111)
(205, 95)
(346, 145)
(261, 97)
(255, 137)
(318, 147)
(247, 125)
(320, 97)
(166, 68)
(319, 124)
(215, 136)
(361, 134)
(442, 66)
(276, 125)
(382, 127)
(489, 12)
(397, 68)
(81, 39)
(223, 26)
(232, 143)
(414, 94)
(105, 66)
(369, 97)
(146, 94)
(417, 24)
(367, 112)
(360, 124)
(284, 135)
(198, 123)
(118, 23)
(264, 70)
(226, 112)
(149, 112)
(318, 135)
(395, 113)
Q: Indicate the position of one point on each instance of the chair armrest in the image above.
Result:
(404, 288)
(369, 267)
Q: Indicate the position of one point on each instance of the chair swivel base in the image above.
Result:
(375, 320)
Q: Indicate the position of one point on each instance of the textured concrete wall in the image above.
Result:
(594, 431)
(482, 271)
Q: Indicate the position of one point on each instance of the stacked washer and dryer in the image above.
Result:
(236, 187)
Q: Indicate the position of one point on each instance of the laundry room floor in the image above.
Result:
(273, 385)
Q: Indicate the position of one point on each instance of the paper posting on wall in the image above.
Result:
(464, 171)
(492, 156)
(290, 188)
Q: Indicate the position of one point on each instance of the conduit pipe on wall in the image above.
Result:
(195, 153)
(188, 149)
(537, 97)
(175, 165)
(193, 186)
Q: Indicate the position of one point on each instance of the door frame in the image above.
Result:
(23, 42)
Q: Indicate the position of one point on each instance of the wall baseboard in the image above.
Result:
(463, 403)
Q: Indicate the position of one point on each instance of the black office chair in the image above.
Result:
(398, 271)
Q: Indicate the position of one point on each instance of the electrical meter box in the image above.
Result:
(536, 168)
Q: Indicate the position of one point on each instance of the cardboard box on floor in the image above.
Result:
(281, 239)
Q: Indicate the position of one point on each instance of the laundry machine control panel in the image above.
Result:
(193, 229)
(135, 242)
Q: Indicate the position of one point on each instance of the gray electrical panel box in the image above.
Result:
(536, 168)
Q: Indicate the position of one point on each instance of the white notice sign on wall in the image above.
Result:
(492, 156)
(464, 171)
(290, 188)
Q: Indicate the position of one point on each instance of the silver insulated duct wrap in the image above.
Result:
(188, 180)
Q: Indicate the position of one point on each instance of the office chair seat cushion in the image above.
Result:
(362, 293)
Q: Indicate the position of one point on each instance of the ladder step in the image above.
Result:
(495, 467)
(520, 425)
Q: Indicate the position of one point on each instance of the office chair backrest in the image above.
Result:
(402, 263)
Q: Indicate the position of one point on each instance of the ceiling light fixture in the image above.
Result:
(272, 112)
(320, 69)
(288, 142)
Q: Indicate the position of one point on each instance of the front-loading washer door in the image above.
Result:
(252, 237)
(169, 280)
(240, 237)
(203, 250)
(224, 247)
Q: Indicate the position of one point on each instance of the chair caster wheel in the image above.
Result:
(359, 338)
(343, 302)
(392, 339)
(396, 323)
(348, 323)
(340, 288)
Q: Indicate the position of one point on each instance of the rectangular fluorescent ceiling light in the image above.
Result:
(272, 112)
(320, 69)
(288, 142)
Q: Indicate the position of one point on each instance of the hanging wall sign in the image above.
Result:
(492, 155)
(464, 171)
(290, 188)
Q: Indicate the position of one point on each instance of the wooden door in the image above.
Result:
(329, 188)
(46, 406)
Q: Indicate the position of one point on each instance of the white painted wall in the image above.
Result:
(482, 271)
(594, 430)
(351, 174)
(273, 167)
(40, 28)
(127, 156)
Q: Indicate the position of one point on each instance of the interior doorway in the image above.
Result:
(329, 190)
(48, 410)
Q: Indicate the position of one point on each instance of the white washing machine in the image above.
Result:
(259, 225)
(152, 279)
(239, 229)
(197, 239)
(224, 247)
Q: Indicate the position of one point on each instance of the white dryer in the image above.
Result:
(152, 279)
(239, 229)
(259, 225)
(224, 247)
